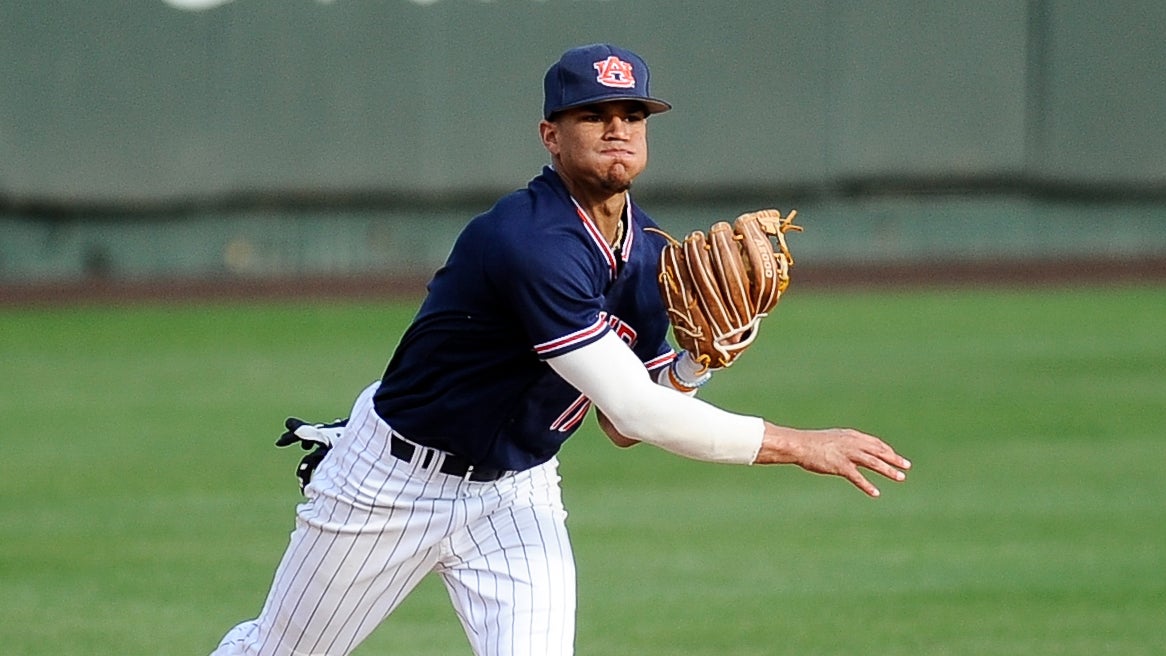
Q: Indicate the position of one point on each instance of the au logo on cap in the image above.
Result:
(614, 72)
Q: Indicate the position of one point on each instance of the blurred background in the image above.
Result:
(245, 141)
(169, 149)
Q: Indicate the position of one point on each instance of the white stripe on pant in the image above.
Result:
(374, 526)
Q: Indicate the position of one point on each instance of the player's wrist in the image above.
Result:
(686, 374)
(781, 445)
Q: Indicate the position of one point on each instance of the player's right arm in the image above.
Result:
(682, 374)
(609, 374)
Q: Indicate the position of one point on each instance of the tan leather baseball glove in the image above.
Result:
(718, 287)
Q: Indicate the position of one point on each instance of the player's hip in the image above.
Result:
(374, 466)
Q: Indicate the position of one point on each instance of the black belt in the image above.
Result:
(453, 464)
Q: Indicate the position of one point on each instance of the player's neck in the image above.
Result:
(607, 215)
(605, 208)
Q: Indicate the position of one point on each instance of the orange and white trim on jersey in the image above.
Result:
(601, 243)
(574, 338)
(572, 416)
(660, 361)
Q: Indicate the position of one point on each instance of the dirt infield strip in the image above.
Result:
(999, 274)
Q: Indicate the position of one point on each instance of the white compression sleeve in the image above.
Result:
(609, 374)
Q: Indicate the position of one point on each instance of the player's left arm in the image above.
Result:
(617, 438)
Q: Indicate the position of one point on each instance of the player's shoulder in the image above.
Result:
(530, 229)
(542, 209)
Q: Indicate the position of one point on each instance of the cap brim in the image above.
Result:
(654, 105)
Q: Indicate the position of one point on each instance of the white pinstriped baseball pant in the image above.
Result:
(374, 526)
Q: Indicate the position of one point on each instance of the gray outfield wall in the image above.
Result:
(156, 138)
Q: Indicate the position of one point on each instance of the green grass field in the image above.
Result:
(143, 507)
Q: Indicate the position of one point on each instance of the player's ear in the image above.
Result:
(549, 133)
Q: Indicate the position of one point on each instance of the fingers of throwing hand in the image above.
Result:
(891, 466)
(855, 476)
(869, 452)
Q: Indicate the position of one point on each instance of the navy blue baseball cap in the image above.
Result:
(597, 73)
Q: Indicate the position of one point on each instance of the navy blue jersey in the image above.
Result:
(530, 279)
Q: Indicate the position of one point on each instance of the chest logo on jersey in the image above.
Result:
(614, 72)
(622, 330)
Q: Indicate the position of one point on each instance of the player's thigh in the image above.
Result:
(335, 584)
(512, 582)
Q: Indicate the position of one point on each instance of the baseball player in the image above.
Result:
(547, 306)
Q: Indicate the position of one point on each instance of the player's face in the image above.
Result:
(602, 146)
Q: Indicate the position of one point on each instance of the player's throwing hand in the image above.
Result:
(834, 451)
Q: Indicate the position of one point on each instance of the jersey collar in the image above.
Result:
(615, 258)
